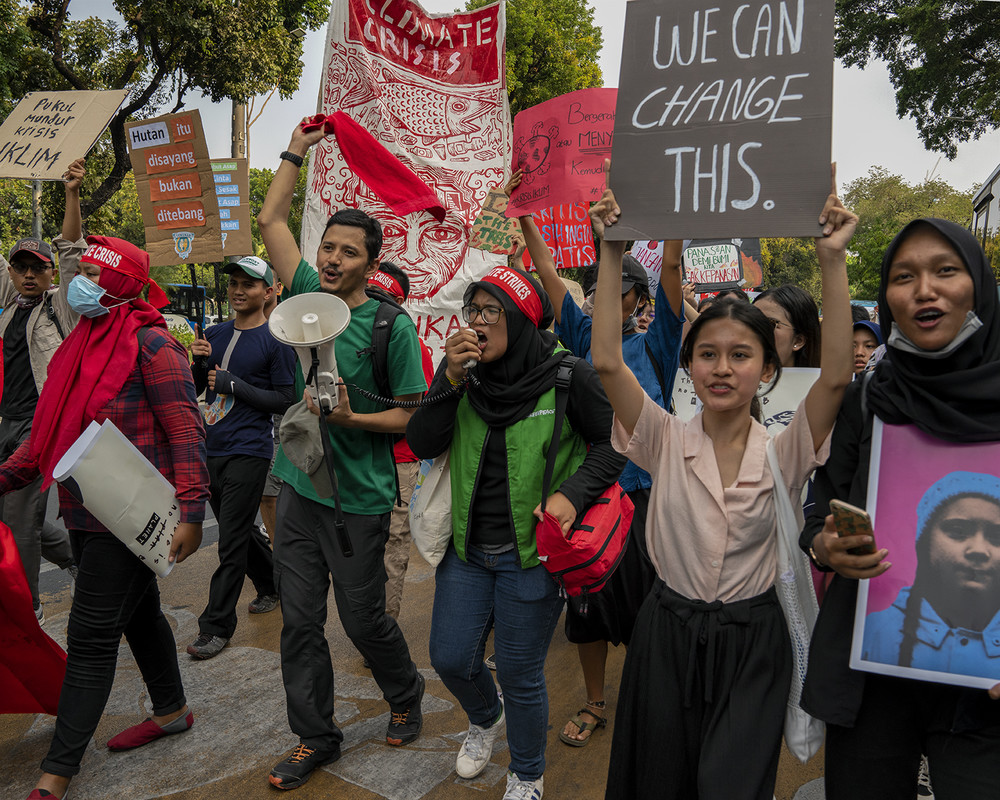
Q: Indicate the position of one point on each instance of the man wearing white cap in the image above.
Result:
(249, 377)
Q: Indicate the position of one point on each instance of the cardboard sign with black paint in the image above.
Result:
(723, 120)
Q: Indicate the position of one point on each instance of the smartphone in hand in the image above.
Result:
(853, 521)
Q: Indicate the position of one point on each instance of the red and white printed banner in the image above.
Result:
(567, 232)
(432, 89)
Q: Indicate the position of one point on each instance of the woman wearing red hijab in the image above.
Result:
(119, 363)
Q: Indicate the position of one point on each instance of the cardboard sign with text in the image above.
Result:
(723, 121)
(561, 145)
(176, 187)
(492, 229)
(713, 265)
(232, 190)
(568, 235)
(48, 131)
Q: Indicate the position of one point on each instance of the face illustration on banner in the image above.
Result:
(428, 251)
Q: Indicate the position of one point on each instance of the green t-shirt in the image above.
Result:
(364, 461)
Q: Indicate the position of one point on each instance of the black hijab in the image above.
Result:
(955, 398)
(509, 387)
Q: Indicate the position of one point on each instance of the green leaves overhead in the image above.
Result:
(552, 49)
(160, 51)
(943, 59)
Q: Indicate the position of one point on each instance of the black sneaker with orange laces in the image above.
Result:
(298, 767)
(405, 725)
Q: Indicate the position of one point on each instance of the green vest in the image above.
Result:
(527, 443)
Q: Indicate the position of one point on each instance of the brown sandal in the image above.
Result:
(602, 722)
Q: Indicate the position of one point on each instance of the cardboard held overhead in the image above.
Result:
(176, 186)
(561, 145)
(723, 119)
(492, 229)
(48, 131)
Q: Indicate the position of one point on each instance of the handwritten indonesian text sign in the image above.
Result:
(723, 121)
(47, 131)
(561, 145)
(177, 189)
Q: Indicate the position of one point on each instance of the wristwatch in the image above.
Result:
(296, 160)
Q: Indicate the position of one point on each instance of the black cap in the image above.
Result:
(34, 246)
(633, 274)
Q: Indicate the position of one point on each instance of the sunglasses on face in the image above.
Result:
(23, 267)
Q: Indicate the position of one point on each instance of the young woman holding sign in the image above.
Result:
(939, 309)
(707, 675)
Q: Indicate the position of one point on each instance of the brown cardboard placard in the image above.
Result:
(47, 131)
(723, 120)
(174, 180)
(232, 190)
(492, 229)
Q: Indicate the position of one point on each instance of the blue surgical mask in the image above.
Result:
(84, 297)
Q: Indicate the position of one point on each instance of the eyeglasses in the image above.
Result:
(777, 323)
(490, 314)
(23, 267)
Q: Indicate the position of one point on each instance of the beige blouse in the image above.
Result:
(708, 542)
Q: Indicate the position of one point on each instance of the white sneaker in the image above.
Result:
(477, 748)
(523, 790)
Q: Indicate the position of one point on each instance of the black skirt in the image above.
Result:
(702, 701)
(611, 612)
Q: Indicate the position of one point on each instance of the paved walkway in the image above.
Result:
(241, 729)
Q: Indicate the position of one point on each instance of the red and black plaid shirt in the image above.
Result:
(157, 410)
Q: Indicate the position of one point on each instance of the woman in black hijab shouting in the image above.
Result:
(497, 428)
(938, 304)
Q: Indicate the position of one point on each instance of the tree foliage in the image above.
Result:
(791, 260)
(943, 58)
(160, 51)
(884, 203)
(552, 49)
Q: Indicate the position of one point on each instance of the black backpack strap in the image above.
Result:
(385, 318)
(564, 377)
(53, 317)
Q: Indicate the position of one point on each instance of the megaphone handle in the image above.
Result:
(343, 537)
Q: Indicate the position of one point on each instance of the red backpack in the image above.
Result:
(585, 559)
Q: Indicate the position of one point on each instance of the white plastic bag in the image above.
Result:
(430, 509)
(803, 733)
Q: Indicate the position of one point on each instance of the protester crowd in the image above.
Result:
(534, 391)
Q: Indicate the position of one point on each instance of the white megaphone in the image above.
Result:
(309, 323)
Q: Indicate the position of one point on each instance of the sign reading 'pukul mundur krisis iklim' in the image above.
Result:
(722, 126)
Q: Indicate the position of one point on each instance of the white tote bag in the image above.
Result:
(430, 509)
(803, 733)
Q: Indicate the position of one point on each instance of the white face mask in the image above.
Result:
(898, 339)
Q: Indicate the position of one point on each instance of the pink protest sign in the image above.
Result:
(568, 235)
(561, 145)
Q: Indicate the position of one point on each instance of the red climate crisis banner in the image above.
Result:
(431, 88)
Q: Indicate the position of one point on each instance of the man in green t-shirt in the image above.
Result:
(306, 548)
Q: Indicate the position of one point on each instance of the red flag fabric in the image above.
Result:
(387, 176)
(32, 666)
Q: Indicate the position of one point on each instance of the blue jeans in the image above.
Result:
(523, 605)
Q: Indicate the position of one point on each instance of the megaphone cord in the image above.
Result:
(427, 400)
